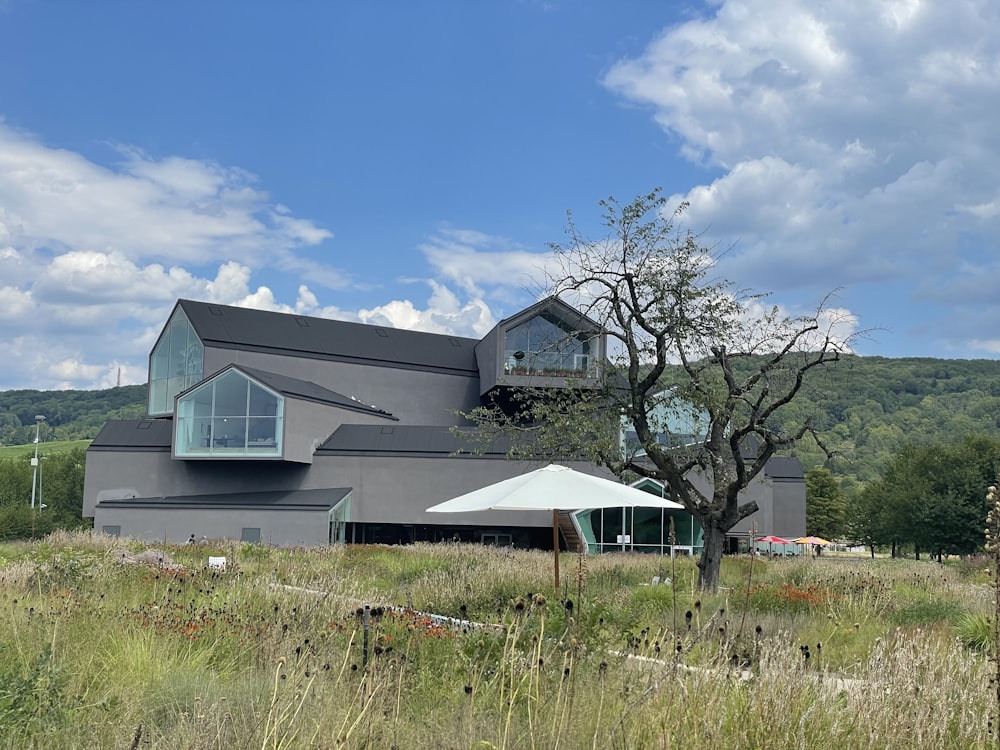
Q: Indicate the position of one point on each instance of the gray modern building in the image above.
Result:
(291, 430)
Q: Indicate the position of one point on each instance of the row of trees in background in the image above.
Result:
(928, 499)
(59, 487)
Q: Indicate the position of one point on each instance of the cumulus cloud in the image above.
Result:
(445, 313)
(92, 257)
(174, 209)
(478, 262)
(854, 141)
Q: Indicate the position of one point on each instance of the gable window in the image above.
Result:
(231, 416)
(175, 364)
(545, 345)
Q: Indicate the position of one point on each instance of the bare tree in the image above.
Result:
(697, 372)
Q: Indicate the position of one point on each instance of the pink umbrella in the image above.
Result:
(771, 540)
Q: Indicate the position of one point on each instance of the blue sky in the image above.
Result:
(407, 163)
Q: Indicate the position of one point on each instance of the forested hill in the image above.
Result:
(868, 407)
(69, 415)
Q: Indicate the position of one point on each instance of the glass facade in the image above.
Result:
(545, 345)
(674, 422)
(231, 416)
(175, 364)
(640, 530)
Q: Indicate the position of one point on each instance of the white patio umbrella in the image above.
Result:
(554, 488)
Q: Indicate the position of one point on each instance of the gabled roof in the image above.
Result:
(300, 389)
(380, 440)
(134, 434)
(566, 312)
(245, 329)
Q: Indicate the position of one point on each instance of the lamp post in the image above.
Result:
(39, 418)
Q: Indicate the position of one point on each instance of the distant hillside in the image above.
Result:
(868, 407)
(69, 415)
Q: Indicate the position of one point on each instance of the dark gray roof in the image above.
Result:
(306, 390)
(295, 335)
(372, 440)
(134, 434)
(784, 468)
(278, 500)
(567, 313)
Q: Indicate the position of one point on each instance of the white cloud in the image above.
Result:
(177, 209)
(93, 257)
(856, 140)
(445, 313)
(477, 262)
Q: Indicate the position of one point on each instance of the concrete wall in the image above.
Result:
(282, 527)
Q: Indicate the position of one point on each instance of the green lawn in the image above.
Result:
(48, 448)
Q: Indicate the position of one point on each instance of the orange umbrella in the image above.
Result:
(813, 540)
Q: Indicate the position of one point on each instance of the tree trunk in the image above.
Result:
(710, 562)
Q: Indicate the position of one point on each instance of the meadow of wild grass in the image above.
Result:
(109, 643)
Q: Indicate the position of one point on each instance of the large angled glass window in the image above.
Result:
(231, 416)
(175, 364)
(545, 345)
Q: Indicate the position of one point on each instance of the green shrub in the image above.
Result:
(975, 631)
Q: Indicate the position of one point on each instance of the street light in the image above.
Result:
(39, 418)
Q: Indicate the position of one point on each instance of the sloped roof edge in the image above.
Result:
(276, 500)
(566, 310)
(249, 329)
(297, 388)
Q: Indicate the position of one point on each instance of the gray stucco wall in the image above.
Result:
(385, 489)
(412, 396)
(789, 508)
(115, 475)
(286, 527)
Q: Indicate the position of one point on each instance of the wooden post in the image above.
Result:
(555, 544)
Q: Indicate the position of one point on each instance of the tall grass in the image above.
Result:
(101, 649)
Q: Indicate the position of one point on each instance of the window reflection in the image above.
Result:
(175, 364)
(545, 345)
(230, 416)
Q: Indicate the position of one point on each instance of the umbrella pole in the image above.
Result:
(555, 544)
